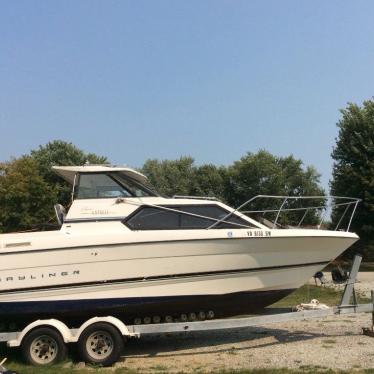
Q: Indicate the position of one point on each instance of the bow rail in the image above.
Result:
(328, 204)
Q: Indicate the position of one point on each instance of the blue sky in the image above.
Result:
(134, 80)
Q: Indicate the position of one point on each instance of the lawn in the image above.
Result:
(367, 266)
(302, 295)
(324, 295)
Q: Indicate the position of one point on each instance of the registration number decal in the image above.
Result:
(259, 233)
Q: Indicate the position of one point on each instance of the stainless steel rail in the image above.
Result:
(349, 202)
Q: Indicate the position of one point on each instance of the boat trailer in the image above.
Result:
(348, 305)
(345, 307)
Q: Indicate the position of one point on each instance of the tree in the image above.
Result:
(25, 197)
(183, 177)
(266, 174)
(253, 174)
(59, 152)
(209, 180)
(29, 188)
(23, 180)
(170, 177)
(353, 170)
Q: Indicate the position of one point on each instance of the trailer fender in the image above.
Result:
(65, 332)
(117, 323)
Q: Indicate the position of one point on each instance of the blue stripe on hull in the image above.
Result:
(75, 312)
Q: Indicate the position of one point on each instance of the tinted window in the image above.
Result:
(213, 211)
(158, 219)
(154, 219)
(196, 222)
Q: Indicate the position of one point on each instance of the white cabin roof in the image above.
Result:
(69, 172)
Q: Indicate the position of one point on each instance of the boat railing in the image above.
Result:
(344, 207)
(328, 205)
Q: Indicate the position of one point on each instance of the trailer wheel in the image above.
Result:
(100, 343)
(43, 346)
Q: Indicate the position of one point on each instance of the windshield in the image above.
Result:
(101, 185)
(136, 189)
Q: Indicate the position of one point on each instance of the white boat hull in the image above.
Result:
(232, 274)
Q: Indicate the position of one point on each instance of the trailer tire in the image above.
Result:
(43, 346)
(101, 343)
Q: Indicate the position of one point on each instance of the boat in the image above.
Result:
(124, 250)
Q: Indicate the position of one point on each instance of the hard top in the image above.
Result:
(69, 172)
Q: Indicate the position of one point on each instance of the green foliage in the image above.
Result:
(26, 199)
(265, 174)
(59, 152)
(209, 180)
(353, 171)
(23, 181)
(29, 188)
(253, 174)
(182, 177)
(170, 177)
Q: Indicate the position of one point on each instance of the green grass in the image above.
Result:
(329, 341)
(159, 368)
(367, 266)
(304, 294)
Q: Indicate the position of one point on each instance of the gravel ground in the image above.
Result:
(335, 343)
(328, 343)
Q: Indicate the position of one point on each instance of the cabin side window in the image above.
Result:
(212, 211)
(152, 218)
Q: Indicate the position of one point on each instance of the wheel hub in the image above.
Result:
(43, 349)
(99, 345)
